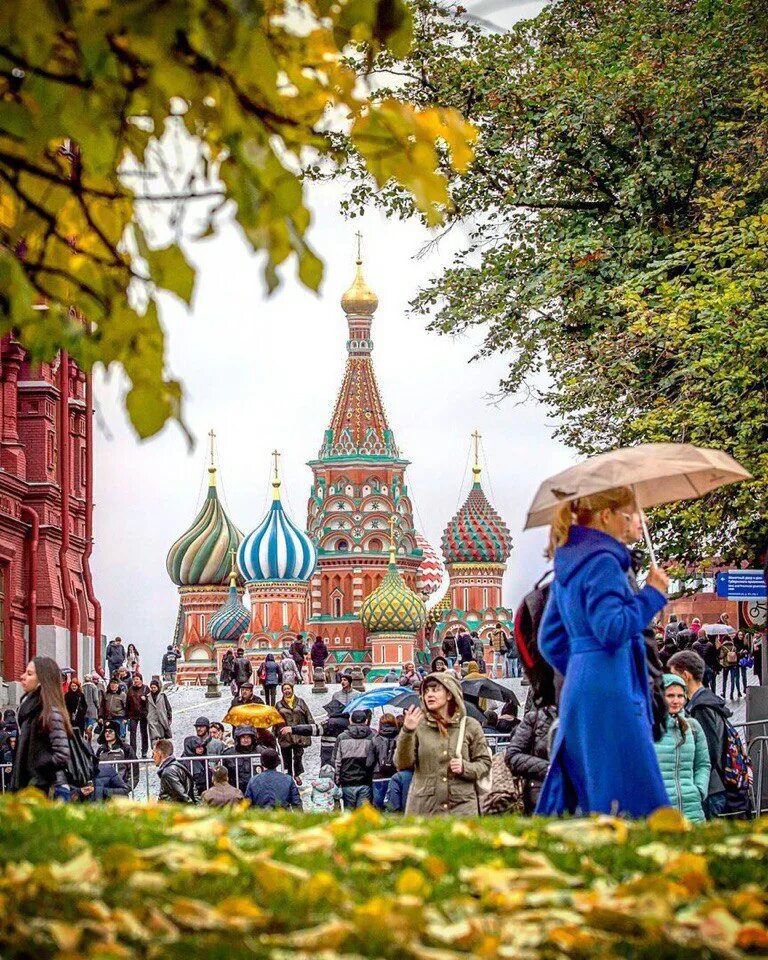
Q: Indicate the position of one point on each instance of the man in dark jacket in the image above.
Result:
(202, 744)
(136, 709)
(318, 654)
(528, 754)
(384, 754)
(298, 651)
(245, 695)
(242, 669)
(706, 649)
(464, 646)
(272, 788)
(112, 748)
(711, 713)
(450, 651)
(354, 761)
(328, 731)
(176, 783)
(169, 664)
(107, 784)
(239, 760)
(115, 655)
(397, 791)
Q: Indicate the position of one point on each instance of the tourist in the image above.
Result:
(113, 704)
(397, 791)
(683, 754)
(318, 654)
(269, 675)
(500, 648)
(239, 759)
(354, 760)
(324, 794)
(384, 744)
(123, 678)
(132, 661)
(41, 757)
(705, 648)
(227, 674)
(478, 651)
(527, 755)
(329, 730)
(137, 711)
(346, 694)
(245, 695)
(695, 627)
(115, 655)
(289, 671)
(508, 720)
(242, 669)
(294, 711)
(711, 713)
(176, 783)
(159, 713)
(439, 665)
(202, 745)
(219, 733)
(74, 700)
(450, 651)
(464, 647)
(112, 748)
(221, 793)
(729, 664)
(744, 649)
(670, 631)
(602, 758)
(298, 652)
(391, 676)
(92, 692)
(271, 788)
(7, 753)
(169, 664)
(409, 677)
(446, 750)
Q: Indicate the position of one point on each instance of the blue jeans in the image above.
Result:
(500, 664)
(733, 673)
(379, 793)
(354, 797)
(514, 666)
(62, 792)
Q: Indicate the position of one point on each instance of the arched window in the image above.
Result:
(342, 546)
(337, 606)
(375, 545)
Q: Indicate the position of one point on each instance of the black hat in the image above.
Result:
(359, 716)
(112, 725)
(202, 722)
(247, 684)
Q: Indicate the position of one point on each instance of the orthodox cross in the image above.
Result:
(212, 436)
(276, 455)
(359, 246)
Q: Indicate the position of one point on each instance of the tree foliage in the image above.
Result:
(88, 88)
(617, 211)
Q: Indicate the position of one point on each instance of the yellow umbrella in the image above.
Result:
(258, 715)
(657, 472)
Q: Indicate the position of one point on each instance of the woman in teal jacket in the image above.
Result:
(683, 754)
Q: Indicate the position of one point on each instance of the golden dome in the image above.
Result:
(359, 300)
(393, 607)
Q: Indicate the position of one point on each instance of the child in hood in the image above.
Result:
(323, 792)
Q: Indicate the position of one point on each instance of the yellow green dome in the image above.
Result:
(393, 607)
(435, 614)
(359, 300)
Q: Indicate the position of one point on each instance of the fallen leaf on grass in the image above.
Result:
(279, 878)
(66, 936)
(312, 840)
(177, 857)
(327, 936)
(374, 847)
(668, 820)
(195, 915)
(265, 829)
(692, 870)
(752, 938)
(593, 832)
(657, 851)
(81, 874)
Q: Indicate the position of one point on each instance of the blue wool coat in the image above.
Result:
(603, 759)
(684, 762)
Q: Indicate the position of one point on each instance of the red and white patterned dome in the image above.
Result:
(431, 570)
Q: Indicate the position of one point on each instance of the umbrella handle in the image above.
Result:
(648, 541)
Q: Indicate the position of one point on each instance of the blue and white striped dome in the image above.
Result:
(276, 549)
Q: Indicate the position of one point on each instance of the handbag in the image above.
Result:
(484, 784)
(83, 765)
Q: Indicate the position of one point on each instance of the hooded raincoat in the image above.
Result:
(603, 760)
(434, 789)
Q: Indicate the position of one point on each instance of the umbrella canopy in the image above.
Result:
(411, 699)
(658, 473)
(489, 690)
(718, 629)
(259, 715)
(375, 698)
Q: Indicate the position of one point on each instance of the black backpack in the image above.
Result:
(527, 621)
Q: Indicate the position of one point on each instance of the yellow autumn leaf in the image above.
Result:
(7, 210)
(374, 847)
(265, 829)
(66, 936)
(329, 936)
(279, 878)
(82, 874)
(412, 882)
(692, 870)
(147, 881)
(195, 914)
(595, 832)
(668, 820)
(311, 840)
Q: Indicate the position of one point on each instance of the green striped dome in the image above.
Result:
(202, 555)
(393, 607)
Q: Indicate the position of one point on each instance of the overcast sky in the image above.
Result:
(264, 373)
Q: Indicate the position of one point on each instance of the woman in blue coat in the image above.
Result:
(603, 759)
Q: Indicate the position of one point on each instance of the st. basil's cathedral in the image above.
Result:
(359, 575)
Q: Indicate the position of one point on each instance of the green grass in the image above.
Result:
(131, 880)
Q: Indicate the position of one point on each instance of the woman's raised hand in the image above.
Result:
(412, 718)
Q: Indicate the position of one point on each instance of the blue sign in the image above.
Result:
(740, 585)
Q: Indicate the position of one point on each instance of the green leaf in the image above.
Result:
(171, 270)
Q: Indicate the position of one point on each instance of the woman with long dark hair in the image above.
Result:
(42, 751)
(446, 750)
(132, 660)
(74, 699)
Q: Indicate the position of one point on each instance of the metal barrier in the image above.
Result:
(758, 753)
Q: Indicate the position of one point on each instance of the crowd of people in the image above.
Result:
(633, 721)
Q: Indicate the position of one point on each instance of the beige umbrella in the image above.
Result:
(657, 472)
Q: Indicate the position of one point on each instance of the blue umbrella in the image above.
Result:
(379, 697)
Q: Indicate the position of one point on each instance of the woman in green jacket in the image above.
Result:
(445, 771)
(683, 754)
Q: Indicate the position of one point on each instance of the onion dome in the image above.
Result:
(231, 620)
(429, 576)
(477, 534)
(277, 549)
(200, 557)
(393, 607)
(359, 300)
(435, 613)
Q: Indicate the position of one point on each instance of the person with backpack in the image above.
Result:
(450, 651)
(269, 677)
(169, 664)
(464, 647)
(602, 759)
(683, 754)
(446, 750)
(729, 663)
(354, 761)
(500, 647)
(384, 744)
(728, 790)
(528, 754)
